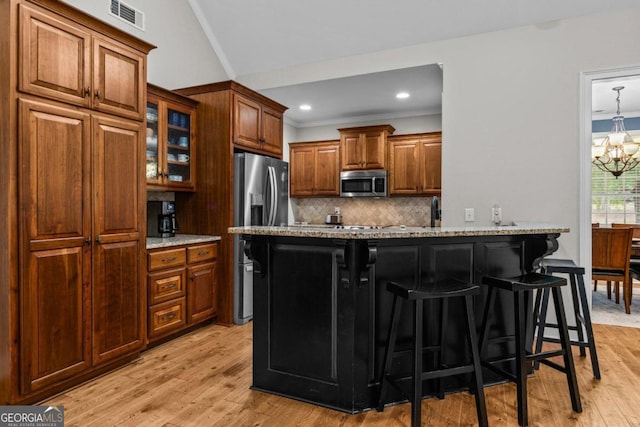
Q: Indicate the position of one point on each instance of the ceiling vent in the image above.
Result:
(127, 13)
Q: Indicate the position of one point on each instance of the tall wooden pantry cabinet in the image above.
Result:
(72, 191)
(231, 117)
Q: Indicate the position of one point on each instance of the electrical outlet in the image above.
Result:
(336, 210)
(496, 214)
(469, 214)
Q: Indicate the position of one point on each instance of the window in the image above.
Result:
(615, 200)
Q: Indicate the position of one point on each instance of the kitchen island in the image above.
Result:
(321, 309)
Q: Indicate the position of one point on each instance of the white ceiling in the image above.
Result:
(253, 36)
(362, 98)
(604, 105)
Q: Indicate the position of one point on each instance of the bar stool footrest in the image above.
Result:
(574, 343)
(544, 355)
(554, 365)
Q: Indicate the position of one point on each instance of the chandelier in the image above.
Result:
(617, 153)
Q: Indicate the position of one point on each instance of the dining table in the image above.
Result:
(635, 248)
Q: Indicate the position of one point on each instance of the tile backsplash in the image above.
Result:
(409, 211)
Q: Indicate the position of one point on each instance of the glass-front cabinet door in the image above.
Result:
(179, 146)
(170, 140)
(153, 170)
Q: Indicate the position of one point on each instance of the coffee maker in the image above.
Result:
(161, 219)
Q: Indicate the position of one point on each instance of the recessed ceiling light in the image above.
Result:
(305, 107)
(402, 95)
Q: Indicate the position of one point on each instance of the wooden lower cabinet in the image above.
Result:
(118, 320)
(55, 344)
(201, 295)
(181, 288)
(167, 317)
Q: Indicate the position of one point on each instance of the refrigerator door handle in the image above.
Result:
(273, 199)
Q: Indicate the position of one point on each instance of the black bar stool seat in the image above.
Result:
(521, 286)
(442, 290)
(581, 311)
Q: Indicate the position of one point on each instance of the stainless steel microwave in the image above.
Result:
(369, 183)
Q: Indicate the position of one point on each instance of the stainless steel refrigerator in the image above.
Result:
(260, 197)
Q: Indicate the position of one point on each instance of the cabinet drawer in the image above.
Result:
(166, 285)
(202, 253)
(167, 317)
(166, 259)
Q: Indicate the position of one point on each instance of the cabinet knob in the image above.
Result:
(262, 140)
(87, 241)
(98, 94)
(98, 240)
(87, 91)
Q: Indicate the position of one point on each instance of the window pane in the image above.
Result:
(615, 200)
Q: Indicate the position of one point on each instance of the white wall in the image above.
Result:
(183, 57)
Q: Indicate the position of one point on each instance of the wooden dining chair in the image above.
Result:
(610, 260)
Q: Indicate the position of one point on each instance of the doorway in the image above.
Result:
(588, 80)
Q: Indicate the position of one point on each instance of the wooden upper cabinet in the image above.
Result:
(256, 126)
(364, 147)
(247, 130)
(272, 133)
(171, 140)
(55, 176)
(55, 57)
(302, 159)
(431, 161)
(116, 178)
(415, 164)
(314, 169)
(62, 60)
(119, 79)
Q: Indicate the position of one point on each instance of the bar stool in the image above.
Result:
(520, 286)
(580, 309)
(431, 291)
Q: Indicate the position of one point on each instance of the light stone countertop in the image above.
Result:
(179, 239)
(399, 232)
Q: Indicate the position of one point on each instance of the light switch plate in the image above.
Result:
(469, 214)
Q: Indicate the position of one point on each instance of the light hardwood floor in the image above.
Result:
(203, 378)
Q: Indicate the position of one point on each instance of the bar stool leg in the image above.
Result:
(576, 312)
(542, 321)
(481, 408)
(566, 346)
(484, 330)
(586, 315)
(521, 361)
(416, 400)
(388, 355)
